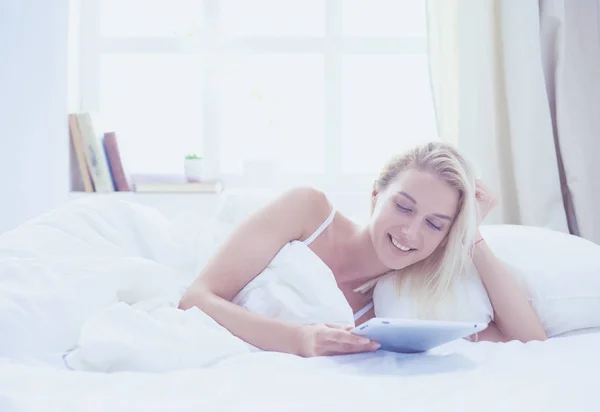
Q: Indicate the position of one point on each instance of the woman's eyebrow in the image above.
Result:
(412, 199)
(409, 197)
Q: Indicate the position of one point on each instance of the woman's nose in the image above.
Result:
(411, 229)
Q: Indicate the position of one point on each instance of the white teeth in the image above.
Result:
(399, 246)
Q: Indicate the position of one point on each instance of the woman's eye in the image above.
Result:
(402, 208)
(438, 228)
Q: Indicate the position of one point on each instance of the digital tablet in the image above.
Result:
(415, 336)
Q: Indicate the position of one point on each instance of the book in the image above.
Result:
(79, 169)
(94, 154)
(115, 165)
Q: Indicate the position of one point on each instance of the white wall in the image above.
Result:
(34, 151)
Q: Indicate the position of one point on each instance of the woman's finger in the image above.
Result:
(347, 348)
(342, 336)
(350, 343)
(482, 187)
(338, 326)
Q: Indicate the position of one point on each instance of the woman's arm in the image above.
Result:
(246, 253)
(514, 318)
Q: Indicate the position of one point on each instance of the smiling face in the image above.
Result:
(411, 217)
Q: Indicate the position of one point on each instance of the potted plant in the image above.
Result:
(193, 167)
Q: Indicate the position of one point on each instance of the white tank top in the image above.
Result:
(315, 235)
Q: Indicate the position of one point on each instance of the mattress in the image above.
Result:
(557, 375)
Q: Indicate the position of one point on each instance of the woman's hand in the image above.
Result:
(329, 339)
(486, 201)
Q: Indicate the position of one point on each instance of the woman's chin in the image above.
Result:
(394, 261)
(396, 258)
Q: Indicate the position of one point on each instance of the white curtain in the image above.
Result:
(572, 70)
(516, 84)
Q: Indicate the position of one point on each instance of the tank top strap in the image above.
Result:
(363, 311)
(321, 228)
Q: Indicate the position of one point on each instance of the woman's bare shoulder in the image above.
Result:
(309, 196)
(305, 204)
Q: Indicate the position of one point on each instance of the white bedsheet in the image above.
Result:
(561, 374)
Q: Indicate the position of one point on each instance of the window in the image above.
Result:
(270, 92)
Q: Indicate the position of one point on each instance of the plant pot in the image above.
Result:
(194, 169)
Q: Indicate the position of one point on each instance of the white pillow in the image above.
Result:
(560, 272)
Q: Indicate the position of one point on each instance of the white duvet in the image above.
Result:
(100, 281)
(93, 287)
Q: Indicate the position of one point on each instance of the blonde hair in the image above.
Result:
(431, 278)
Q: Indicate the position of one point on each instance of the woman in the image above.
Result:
(426, 209)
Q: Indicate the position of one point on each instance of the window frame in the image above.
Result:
(207, 41)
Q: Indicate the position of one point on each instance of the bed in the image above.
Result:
(557, 375)
(64, 268)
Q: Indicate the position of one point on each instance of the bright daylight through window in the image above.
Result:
(269, 92)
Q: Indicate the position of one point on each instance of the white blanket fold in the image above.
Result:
(131, 338)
